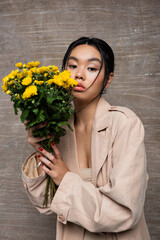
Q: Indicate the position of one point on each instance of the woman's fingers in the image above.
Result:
(33, 140)
(56, 151)
(48, 163)
(47, 154)
(25, 123)
(54, 166)
(38, 126)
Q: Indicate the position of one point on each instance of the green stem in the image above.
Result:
(45, 203)
(50, 185)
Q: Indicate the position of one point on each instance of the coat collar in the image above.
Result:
(100, 137)
(100, 121)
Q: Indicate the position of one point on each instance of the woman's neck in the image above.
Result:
(84, 113)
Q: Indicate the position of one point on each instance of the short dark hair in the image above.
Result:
(104, 49)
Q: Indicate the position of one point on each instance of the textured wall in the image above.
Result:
(41, 30)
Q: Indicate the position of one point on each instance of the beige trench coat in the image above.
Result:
(111, 206)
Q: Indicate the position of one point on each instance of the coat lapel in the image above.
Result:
(100, 138)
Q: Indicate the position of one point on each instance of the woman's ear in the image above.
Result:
(109, 80)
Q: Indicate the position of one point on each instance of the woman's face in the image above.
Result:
(84, 63)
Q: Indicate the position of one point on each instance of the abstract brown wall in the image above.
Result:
(41, 30)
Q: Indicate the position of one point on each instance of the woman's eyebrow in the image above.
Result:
(94, 59)
(89, 60)
(73, 58)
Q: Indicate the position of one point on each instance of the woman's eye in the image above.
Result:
(72, 66)
(92, 69)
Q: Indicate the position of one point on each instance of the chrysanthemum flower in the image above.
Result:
(19, 65)
(30, 91)
(26, 81)
(38, 82)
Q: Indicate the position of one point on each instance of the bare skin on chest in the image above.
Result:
(83, 140)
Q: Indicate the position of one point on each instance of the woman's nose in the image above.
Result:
(79, 75)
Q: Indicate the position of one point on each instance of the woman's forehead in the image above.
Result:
(85, 52)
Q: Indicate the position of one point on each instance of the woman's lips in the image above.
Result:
(79, 87)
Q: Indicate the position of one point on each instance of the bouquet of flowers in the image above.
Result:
(42, 94)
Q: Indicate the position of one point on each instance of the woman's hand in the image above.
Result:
(54, 166)
(34, 141)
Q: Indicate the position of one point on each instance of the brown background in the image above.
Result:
(41, 30)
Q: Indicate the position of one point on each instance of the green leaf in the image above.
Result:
(51, 123)
(31, 124)
(70, 127)
(57, 129)
(36, 111)
(38, 133)
(50, 100)
(15, 108)
(39, 100)
(41, 116)
(62, 123)
(24, 115)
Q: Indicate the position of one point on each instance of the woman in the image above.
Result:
(100, 168)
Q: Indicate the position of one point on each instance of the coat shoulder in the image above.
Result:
(122, 111)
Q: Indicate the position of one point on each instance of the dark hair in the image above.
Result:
(104, 49)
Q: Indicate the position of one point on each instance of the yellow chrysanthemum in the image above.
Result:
(29, 65)
(10, 82)
(70, 83)
(56, 80)
(5, 87)
(5, 79)
(48, 68)
(30, 74)
(46, 74)
(41, 69)
(38, 82)
(65, 75)
(33, 70)
(20, 75)
(30, 91)
(25, 71)
(55, 68)
(50, 81)
(13, 74)
(8, 92)
(32, 64)
(19, 65)
(26, 81)
(36, 64)
(57, 72)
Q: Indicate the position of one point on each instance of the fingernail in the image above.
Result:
(44, 123)
(40, 149)
(42, 164)
(39, 156)
(52, 143)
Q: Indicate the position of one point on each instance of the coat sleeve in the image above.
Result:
(118, 205)
(35, 185)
